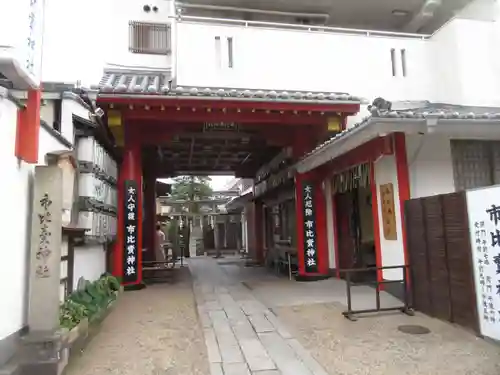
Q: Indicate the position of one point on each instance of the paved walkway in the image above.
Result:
(250, 322)
(242, 335)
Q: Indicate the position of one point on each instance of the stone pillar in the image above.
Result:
(216, 237)
(127, 257)
(149, 237)
(42, 346)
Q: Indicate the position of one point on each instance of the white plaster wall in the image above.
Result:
(89, 263)
(392, 251)
(465, 60)
(301, 60)
(16, 191)
(47, 111)
(74, 53)
(430, 165)
(330, 225)
(70, 107)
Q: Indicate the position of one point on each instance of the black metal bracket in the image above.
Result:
(406, 308)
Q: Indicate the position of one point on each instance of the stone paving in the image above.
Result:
(242, 335)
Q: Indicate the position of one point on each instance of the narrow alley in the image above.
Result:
(223, 319)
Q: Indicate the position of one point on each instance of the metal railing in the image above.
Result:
(405, 308)
(299, 27)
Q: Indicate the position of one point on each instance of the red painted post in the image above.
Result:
(321, 229)
(403, 187)
(376, 222)
(150, 216)
(130, 169)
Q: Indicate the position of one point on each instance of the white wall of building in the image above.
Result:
(16, 220)
(330, 225)
(15, 223)
(392, 250)
(89, 263)
(74, 53)
(430, 165)
(301, 60)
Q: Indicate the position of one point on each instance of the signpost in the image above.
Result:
(483, 206)
(310, 246)
(131, 238)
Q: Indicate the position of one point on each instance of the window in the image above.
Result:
(403, 62)
(230, 52)
(149, 38)
(218, 62)
(393, 61)
(475, 163)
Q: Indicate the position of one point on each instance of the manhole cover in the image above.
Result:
(414, 329)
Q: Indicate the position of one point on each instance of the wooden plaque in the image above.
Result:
(388, 214)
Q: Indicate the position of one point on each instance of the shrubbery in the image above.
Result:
(89, 301)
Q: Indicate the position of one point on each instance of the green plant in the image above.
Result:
(89, 300)
(71, 314)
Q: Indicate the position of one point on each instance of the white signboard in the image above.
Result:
(483, 206)
(21, 37)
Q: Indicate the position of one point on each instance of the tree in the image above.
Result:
(191, 189)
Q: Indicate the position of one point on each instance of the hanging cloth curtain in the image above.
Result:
(352, 178)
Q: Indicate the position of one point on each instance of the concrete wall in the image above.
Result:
(430, 165)
(301, 60)
(90, 263)
(17, 190)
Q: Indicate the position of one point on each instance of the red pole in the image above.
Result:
(130, 169)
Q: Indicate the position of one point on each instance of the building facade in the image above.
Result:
(399, 115)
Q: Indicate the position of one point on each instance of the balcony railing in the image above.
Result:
(299, 27)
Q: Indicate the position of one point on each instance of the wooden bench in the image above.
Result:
(158, 271)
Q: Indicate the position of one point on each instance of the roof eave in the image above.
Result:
(229, 99)
(378, 127)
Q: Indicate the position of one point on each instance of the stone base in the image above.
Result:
(304, 278)
(132, 287)
(42, 353)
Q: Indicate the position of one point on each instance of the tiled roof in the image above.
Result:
(419, 110)
(132, 82)
(135, 82)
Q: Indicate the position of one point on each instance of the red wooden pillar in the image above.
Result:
(376, 222)
(130, 170)
(149, 216)
(28, 128)
(403, 186)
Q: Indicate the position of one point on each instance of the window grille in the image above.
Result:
(149, 38)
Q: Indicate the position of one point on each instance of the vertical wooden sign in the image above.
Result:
(388, 212)
(309, 212)
(131, 238)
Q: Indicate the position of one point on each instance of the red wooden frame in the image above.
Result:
(28, 128)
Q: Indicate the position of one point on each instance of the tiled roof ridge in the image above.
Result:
(441, 111)
(122, 81)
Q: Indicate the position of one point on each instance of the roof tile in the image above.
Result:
(160, 83)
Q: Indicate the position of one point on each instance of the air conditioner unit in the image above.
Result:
(21, 38)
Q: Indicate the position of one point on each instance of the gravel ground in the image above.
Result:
(374, 346)
(155, 331)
